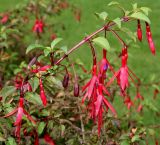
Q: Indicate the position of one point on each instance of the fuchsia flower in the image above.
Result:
(41, 68)
(90, 85)
(128, 102)
(42, 93)
(149, 38)
(48, 139)
(122, 73)
(20, 112)
(38, 26)
(139, 30)
(4, 19)
(18, 82)
(140, 108)
(95, 91)
(103, 63)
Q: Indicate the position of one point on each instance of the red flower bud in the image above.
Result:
(149, 38)
(65, 81)
(139, 31)
(76, 89)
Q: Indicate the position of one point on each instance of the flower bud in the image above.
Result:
(65, 81)
(76, 89)
(139, 31)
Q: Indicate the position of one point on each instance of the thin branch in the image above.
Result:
(124, 19)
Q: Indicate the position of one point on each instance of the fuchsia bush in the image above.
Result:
(50, 103)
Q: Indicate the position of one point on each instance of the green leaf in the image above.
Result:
(135, 138)
(33, 98)
(141, 16)
(64, 49)
(113, 3)
(134, 6)
(41, 127)
(34, 83)
(32, 47)
(7, 91)
(11, 141)
(47, 51)
(125, 142)
(118, 22)
(55, 42)
(145, 10)
(102, 15)
(102, 42)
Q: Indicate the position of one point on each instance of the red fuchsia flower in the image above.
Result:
(128, 102)
(48, 139)
(103, 63)
(77, 15)
(20, 112)
(89, 87)
(100, 101)
(139, 30)
(122, 73)
(19, 81)
(53, 36)
(41, 68)
(42, 93)
(95, 93)
(38, 26)
(149, 38)
(140, 108)
(4, 19)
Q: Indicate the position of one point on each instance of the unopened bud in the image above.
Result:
(65, 81)
(76, 89)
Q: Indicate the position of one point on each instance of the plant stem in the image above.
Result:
(107, 26)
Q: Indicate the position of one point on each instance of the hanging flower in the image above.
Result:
(20, 112)
(42, 93)
(139, 30)
(38, 26)
(149, 38)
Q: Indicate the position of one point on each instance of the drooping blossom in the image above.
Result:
(20, 112)
(139, 30)
(48, 139)
(122, 73)
(128, 102)
(42, 93)
(89, 87)
(149, 38)
(94, 93)
(38, 26)
(140, 108)
(20, 82)
(4, 19)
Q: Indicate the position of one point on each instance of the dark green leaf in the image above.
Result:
(34, 83)
(41, 127)
(7, 91)
(33, 98)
